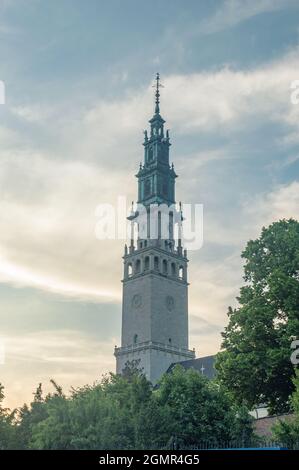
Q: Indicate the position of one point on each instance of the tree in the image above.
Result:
(287, 432)
(255, 362)
(126, 413)
(7, 431)
(29, 416)
(102, 416)
(200, 410)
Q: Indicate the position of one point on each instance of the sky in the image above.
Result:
(78, 79)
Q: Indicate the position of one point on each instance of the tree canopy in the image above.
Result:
(255, 362)
(287, 431)
(125, 412)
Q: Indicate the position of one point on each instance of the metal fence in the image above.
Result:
(260, 444)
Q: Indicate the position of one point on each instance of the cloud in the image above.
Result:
(204, 334)
(233, 12)
(229, 99)
(256, 211)
(48, 199)
(225, 100)
(216, 283)
(65, 355)
(33, 114)
(48, 226)
(8, 137)
(281, 203)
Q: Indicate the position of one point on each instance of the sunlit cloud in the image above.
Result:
(23, 277)
(65, 355)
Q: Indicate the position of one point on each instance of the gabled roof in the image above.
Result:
(204, 365)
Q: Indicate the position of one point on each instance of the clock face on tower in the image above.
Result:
(136, 301)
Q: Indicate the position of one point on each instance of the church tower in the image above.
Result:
(155, 286)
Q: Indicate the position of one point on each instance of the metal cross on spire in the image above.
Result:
(158, 85)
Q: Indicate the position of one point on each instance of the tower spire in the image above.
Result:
(157, 122)
(158, 85)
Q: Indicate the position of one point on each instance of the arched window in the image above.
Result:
(135, 339)
(156, 263)
(173, 269)
(129, 269)
(145, 243)
(169, 340)
(137, 266)
(181, 272)
(140, 245)
(164, 266)
(146, 263)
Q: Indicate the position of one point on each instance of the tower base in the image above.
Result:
(153, 358)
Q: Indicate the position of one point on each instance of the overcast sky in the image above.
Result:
(78, 78)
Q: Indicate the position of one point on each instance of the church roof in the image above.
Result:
(204, 365)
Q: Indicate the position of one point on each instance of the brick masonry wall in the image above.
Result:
(263, 426)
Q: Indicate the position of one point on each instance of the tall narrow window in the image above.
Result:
(156, 263)
(147, 187)
(150, 154)
(129, 270)
(181, 272)
(171, 225)
(173, 269)
(146, 263)
(159, 224)
(137, 266)
(164, 267)
(135, 339)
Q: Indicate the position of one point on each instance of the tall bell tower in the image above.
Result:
(155, 287)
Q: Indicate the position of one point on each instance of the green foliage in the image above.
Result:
(29, 416)
(7, 430)
(287, 432)
(200, 410)
(104, 416)
(255, 364)
(126, 413)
